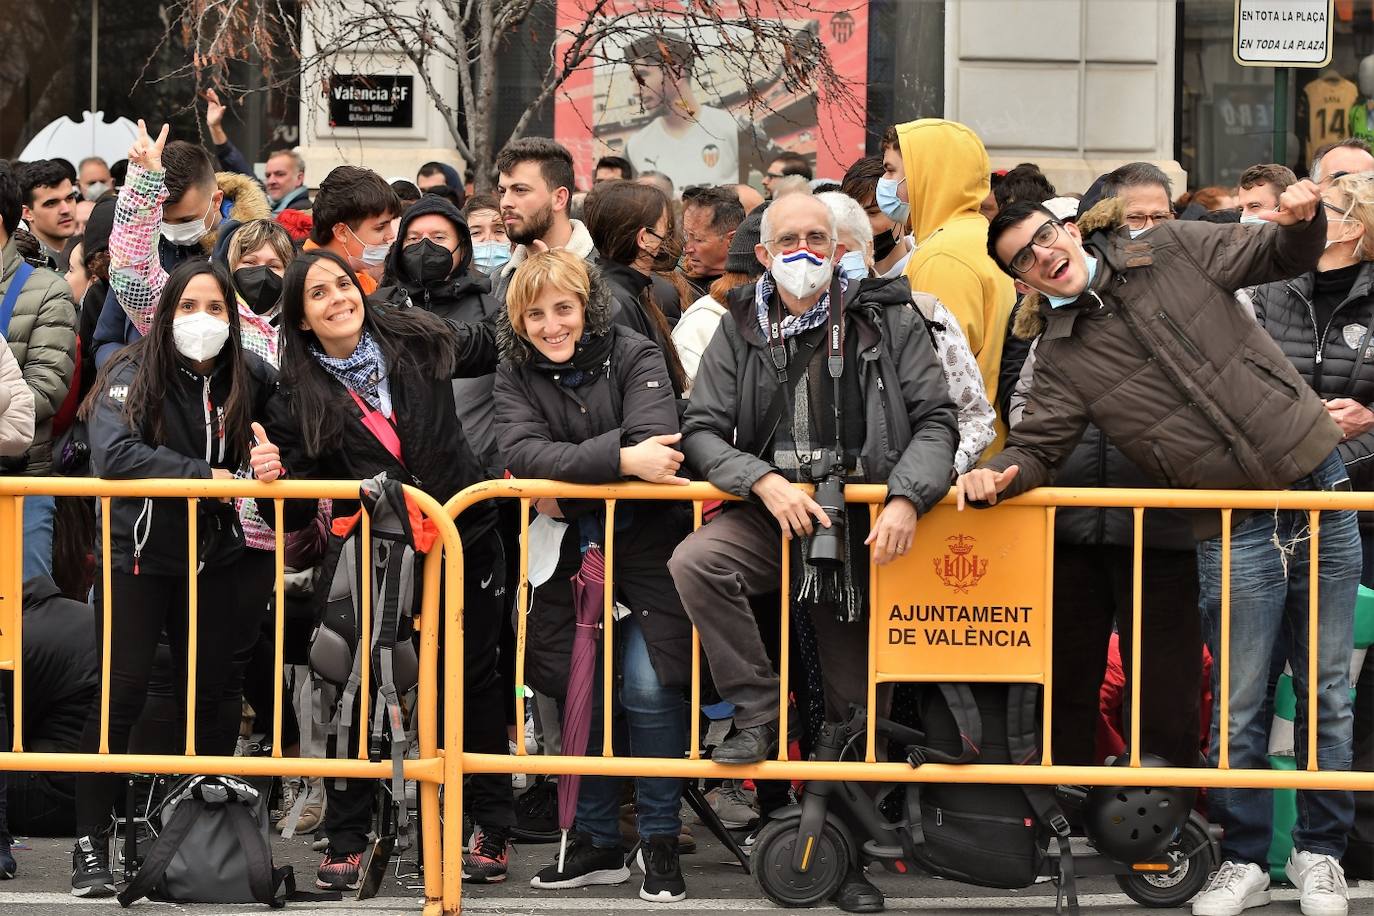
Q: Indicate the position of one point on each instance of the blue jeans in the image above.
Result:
(1269, 603)
(38, 512)
(653, 724)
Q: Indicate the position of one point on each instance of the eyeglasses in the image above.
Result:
(1044, 237)
(1147, 220)
(790, 241)
(1340, 214)
(775, 177)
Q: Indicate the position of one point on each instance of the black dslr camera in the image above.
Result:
(828, 544)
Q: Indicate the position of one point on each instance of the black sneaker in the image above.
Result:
(536, 814)
(8, 868)
(584, 865)
(91, 869)
(662, 874)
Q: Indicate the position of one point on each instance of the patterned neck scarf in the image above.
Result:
(792, 325)
(363, 372)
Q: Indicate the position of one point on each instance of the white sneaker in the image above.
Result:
(1233, 890)
(1320, 881)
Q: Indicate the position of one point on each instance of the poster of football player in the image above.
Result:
(710, 102)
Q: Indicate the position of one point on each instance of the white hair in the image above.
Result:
(766, 225)
(850, 219)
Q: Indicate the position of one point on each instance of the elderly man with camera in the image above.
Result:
(811, 379)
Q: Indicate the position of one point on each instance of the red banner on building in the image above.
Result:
(710, 103)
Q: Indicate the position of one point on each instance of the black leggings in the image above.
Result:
(143, 606)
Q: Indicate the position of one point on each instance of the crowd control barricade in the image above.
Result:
(428, 769)
(991, 568)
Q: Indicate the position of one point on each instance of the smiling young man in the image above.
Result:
(1143, 338)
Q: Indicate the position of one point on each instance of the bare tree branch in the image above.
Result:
(760, 44)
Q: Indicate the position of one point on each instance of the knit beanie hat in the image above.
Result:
(741, 258)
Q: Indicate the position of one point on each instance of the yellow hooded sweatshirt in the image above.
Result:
(947, 178)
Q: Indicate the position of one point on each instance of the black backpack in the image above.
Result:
(213, 848)
(988, 835)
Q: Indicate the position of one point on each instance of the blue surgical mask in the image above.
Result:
(886, 198)
(1060, 301)
(853, 266)
(1252, 218)
(489, 257)
(1137, 233)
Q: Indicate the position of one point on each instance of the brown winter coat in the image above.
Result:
(1158, 354)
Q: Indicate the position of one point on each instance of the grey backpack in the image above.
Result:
(396, 568)
(213, 848)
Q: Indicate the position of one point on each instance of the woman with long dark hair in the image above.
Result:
(632, 226)
(179, 403)
(368, 390)
(583, 399)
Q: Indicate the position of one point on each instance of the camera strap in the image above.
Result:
(777, 348)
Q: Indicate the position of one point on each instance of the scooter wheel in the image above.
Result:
(785, 885)
(1177, 887)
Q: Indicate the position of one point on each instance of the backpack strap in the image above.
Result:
(352, 560)
(399, 579)
(21, 276)
(959, 699)
(174, 832)
(262, 879)
(1023, 742)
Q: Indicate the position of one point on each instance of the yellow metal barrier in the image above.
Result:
(428, 769)
(1018, 535)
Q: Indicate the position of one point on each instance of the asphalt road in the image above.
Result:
(716, 885)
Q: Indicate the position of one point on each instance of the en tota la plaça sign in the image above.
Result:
(1282, 33)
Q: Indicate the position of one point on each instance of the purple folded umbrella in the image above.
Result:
(589, 595)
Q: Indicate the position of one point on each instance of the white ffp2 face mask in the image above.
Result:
(186, 234)
(801, 272)
(199, 336)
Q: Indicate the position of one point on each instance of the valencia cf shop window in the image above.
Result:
(1226, 112)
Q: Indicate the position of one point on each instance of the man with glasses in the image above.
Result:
(785, 164)
(1145, 193)
(1349, 156)
(1143, 338)
(710, 217)
(782, 396)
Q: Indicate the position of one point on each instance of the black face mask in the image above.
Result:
(883, 243)
(259, 286)
(426, 261)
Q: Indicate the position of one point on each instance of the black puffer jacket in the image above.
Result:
(549, 430)
(626, 285)
(1338, 361)
(911, 426)
(149, 535)
(437, 456)
(464, 295)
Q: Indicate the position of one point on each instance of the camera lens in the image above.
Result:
(827, 544)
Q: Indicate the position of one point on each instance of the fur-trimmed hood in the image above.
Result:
(1105, 216)
(246, 201)
(517, 351)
